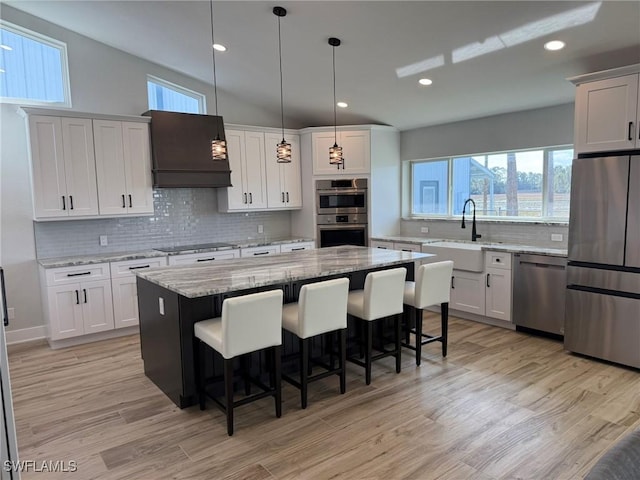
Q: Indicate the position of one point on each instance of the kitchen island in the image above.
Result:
(172, 299)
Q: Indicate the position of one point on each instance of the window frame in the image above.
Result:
(201, 98)
(64, 67)
(491, 218)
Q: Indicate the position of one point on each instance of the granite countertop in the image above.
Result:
(498, 247)
(194, 281)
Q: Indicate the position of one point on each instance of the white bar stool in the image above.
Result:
(432, 287)
(381, 298)
(247, 324)
(321, 308)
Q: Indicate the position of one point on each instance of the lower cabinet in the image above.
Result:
(191, 258)
(498, 287)
(467, 292)
(260, 251)
(296, 247)
(403, 246)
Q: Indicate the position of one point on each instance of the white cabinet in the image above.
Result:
(123, 167)
(498, 288)
(78, 300)
(383, 244)
(124, 289)
(468, 292)
(403, 246)
(192, 258)
(63, 167)
(248, 178)
(297, 246)
(607, 115)
(284, 184)
(356, 150)
(260, 251)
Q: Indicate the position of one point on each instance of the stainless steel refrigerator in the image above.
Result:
(9, 449)
(603, 275)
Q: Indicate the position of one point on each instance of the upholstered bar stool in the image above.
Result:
(247, 324)
(321, 309)
(432, 287)
(381, 298)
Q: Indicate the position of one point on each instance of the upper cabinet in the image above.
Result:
(123, 166)
(607, 113)
(87, 166)
(63, 167)
(356, 151)
(258, 181)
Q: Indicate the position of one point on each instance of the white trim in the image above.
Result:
(26, 334)
(94, 337)
(200, 97)
(604, 74)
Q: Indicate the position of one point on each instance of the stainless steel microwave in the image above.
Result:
(341, 196)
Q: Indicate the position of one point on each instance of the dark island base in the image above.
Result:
(168, 345)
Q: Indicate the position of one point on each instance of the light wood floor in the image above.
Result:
(502, 405)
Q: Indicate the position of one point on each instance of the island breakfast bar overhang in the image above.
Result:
(172, 299)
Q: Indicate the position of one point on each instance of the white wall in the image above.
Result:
(103, 80)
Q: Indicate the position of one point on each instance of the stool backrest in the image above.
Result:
(433, 284)
(383, 293)
(251, 322)
(322, 307)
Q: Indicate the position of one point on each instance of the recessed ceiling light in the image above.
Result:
(425, 81)
(554, 45)
(5, 47)
(342, 104)
(219, 47)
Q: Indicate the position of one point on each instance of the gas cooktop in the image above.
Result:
(200, 246)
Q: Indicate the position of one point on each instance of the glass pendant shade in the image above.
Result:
(218, 149)
(284, 152)
(335, 155)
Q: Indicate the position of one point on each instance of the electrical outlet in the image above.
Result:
(260, 229)
(103, 241)
(11, 313)
(556, 237)
(424, 229)
(161, 305)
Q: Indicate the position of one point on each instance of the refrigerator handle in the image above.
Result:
(3, 292)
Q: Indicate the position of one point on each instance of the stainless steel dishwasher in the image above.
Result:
(539, 284)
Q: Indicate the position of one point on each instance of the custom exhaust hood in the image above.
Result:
(181, 149)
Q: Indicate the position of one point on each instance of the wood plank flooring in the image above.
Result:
(502, 405)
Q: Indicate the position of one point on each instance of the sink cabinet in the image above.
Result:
(467, 292)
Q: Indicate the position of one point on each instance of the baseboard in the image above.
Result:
(93, 337)
(25, 334)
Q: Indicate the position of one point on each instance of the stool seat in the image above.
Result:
(355, 304)
(210, 332)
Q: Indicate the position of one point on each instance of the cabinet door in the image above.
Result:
(112, 190)
(291, 175)
(381, 244)
(137, 164)
(193, 258)
(321, 142)
(254, 169)
(260, 251)
(356, 148)
(80, 166)
(125, 302)
(296, 247)
(407, 247)
(606, 117)
(275, 172)
(498, 293)
(235, 152)
(468, 292)
(65, 311)
(97, 306)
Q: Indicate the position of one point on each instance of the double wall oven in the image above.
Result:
(341, 207)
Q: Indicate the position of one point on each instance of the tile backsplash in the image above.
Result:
(182, 216)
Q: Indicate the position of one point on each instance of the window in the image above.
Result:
(33, 68)
(523, 184)
(170, 97)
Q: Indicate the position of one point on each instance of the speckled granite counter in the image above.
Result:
(98, 258)
(193, 281)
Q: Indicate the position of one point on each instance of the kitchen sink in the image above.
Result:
(466, 256)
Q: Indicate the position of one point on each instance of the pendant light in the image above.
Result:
(283, 149)
(218, 146)
(335, 152)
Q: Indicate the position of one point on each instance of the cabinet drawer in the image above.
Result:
(192, 258)
(260, 251)
(294, 247)
(128, 267)
(82, 273)
(407, 247)
(381, 244)
(497, 260)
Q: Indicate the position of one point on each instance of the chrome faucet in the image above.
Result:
(474, 234)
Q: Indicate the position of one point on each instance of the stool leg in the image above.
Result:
(418, 336)
(343, 360)
(363, 338)
(277, 368)
(304, 373)
(244, 359)
(398, 335)
(228, 392)
(407, 323)
(444, 312)
(201, 375)
(368, 350)
(332, 357)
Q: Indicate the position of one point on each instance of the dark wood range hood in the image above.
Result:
(181, 149)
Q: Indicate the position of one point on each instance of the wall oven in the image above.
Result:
(346, 229)
(341, 196)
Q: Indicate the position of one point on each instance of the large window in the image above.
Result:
(524, 184)
(170, 97)
(33, 68)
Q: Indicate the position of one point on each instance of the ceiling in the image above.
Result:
(484, 57)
